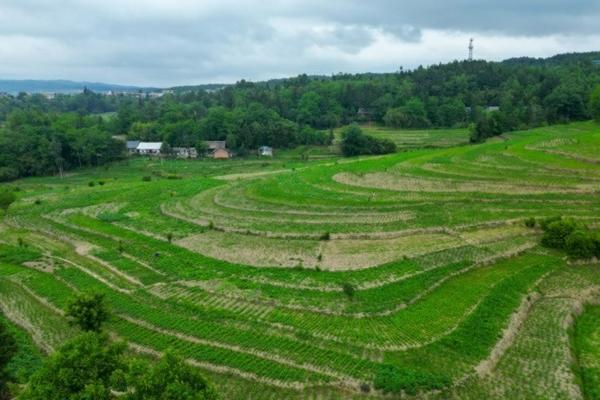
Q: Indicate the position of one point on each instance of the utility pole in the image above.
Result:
(471, 49)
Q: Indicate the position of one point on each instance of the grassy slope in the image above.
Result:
(430, 311)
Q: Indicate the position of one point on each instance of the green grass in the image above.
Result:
(251, 288)
(586, 341)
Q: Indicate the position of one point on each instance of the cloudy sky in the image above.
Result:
(174, 42)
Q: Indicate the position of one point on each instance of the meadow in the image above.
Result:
(408, 275)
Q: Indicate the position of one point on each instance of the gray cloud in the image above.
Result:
(164, 42)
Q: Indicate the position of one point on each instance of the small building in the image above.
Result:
(215, 144)
(265, 151)
(185, 152)
(150, 148)
(221, 154)
(132, 146)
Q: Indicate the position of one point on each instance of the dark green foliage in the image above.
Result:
(556, 232)
(88, 311)
(530, 222)
(395, 380)
(348, 289)
(355, 142)
(583, 244)
(91, 184)
(146, 178)
(6, 199)
(8, 348)
(168, 379)
(594, 105)
(326, 236)
(84, 368)
(27, 358)
(41, 136)
(574, 238)
(169, 237)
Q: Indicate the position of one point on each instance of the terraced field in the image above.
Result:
(333, 279)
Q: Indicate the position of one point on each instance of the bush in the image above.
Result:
(576, 239)
(582, 244)
(355, 142)
(6, 199)
(530, 222)
(8, 174)
(147, 178)
(348, 289)
(91, 184)
(326, 236)
(555, 233)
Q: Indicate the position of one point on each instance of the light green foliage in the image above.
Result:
(586, 341)
(168, 379)
(84, 368)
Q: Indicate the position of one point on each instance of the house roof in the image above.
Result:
(215, 144)
(132, 144)
(150, 146)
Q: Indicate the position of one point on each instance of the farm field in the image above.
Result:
(411, 274)
(417, 138)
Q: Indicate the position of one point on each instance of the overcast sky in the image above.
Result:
(174, 42)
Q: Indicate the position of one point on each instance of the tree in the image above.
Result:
(6, 199)
(85, 368)
(88, 311)
(169, 379)
(8, 348)
(355, 142)
(595, 103)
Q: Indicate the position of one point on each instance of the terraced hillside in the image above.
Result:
(411, 273)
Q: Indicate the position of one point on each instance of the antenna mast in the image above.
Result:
(471, 49)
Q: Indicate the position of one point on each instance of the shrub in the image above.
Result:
(147, 178)
(6, 199)
(530, 222)
(355, 142)
(555, 233)
(8, 174)
(91, 184)
(326, 236)
(582, 244)
(101, 183)
(348, 289)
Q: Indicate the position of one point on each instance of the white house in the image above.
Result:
(149, 148)
(265, 151)
(185, 152)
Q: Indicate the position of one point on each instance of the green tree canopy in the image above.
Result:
(8, 348)
(88, 311)
(169, 379)
(6, 199)
(85, 368)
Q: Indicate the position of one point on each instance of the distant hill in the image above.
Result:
(61, 86)
(559, 59)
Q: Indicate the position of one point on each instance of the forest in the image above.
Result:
(41, 136)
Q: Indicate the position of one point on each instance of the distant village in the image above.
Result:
(215, 149)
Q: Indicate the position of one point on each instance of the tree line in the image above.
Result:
(491, 97)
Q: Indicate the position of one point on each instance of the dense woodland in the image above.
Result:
(47, 136)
